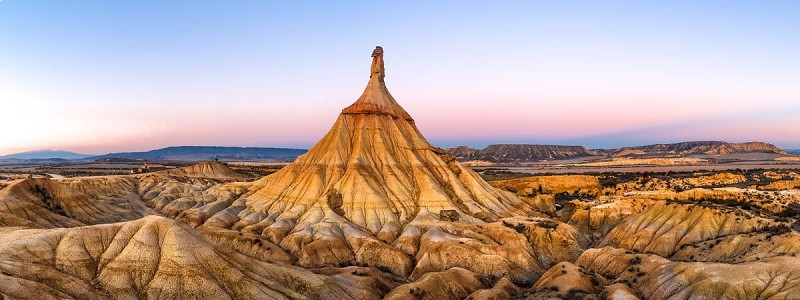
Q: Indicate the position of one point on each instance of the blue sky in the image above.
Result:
(101, 76)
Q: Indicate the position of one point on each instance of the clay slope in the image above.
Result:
(516, 248)
(212, 170)
(155, 258)
(44, 203)
(612, 273)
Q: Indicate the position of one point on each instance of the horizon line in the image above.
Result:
(450, 145)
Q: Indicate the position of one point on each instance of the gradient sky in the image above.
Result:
(103, 76)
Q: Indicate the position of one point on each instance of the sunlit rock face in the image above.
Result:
(366, 184)
(153, 257)
(376, 171)
(374, 211)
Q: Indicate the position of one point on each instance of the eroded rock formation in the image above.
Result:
(373, 211)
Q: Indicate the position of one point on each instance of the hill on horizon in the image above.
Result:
(200, 153)
(45, 154)
(699, 147)
(505, 153)
(491, 153)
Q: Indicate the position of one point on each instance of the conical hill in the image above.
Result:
(374, 169)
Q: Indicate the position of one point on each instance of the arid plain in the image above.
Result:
(374, 211)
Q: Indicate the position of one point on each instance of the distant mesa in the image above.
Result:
(700, 147)
(516, 153)
(522, 153)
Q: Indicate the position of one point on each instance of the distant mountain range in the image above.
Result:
(501, 153)
(44, 154)
(518, 153)
(180, 153)
(201, 153)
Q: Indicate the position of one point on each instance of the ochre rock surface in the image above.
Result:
(374, 211)
(153, 257)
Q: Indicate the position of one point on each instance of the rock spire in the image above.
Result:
(376, 98)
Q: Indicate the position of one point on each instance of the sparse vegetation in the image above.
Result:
(417, 292)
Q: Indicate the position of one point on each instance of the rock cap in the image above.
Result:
(376, 98)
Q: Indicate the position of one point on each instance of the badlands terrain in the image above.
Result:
(373, 211)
